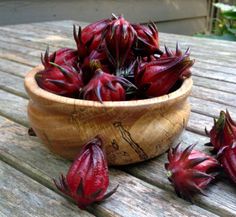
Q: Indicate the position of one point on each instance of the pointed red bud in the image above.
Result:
(223, 132)
(87, 179)
(190, 171)
(227, 158)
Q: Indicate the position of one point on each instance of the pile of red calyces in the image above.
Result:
(114, 60)
(190, 171)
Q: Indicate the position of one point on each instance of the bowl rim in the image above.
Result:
(32, 88)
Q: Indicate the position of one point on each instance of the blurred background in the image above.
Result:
(173, 16)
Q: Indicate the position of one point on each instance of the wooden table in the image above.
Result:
(27, 167)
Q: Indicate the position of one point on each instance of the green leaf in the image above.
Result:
(231, 15)
(227, 11)
(231, 30)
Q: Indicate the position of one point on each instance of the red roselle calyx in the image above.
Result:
(89, 38)
(60, 57)
(87, 179)
(119, 38)
(105, 87)
(158, 77)
(227, 158)
(190, 171)
(147, 40)
(96, 59)
(223, 132)
(63, 79)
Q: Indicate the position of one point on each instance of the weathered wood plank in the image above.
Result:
(12, 84)
(21, 196)
(27, 40)
(205, 73)
(35, 39)
(201, 65)
(13, 107)
(209, 108)
(214, 95)
(19, 150)
(19, 56)
(198, 122)
(21, 48)
(214, 84)
(216, 44)
(14, 68)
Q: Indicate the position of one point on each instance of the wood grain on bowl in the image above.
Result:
(132, 131)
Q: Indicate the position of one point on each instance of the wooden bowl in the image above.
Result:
(132, 131)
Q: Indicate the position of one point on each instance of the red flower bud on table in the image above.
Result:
(190, 171)
(223, 132)
(227, 158)
(87, 179)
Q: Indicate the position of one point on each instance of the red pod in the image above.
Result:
(223, 132)
(62, 80)
(147, 40)
(105, 87)
(89, 38)
(175, 55)
(96, 59)
(157, 78)
(190, 171)
(227, 158)
(87, 179)
(60, 57)
(95, 30)
(119, 38)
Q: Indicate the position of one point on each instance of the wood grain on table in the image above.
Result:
(144, 189)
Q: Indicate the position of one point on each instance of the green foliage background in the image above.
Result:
(224, 27)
